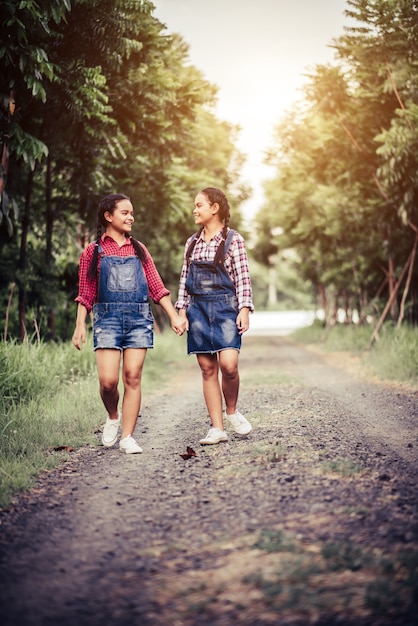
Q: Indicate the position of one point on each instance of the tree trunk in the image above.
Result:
(272, 292)
(323, 298)
(392, 283)
(49, 217)
(333, 311)
(23, 255)
(375, 335)
(408, 281)
(363, 306)
(49, 225)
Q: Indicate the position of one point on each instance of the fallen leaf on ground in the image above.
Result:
(189, 453)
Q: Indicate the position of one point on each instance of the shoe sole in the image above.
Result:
(205, 442)
(247, 432)
(133, 452)
(108, 444)
(234, 428)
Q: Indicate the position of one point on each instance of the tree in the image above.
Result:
(26, 69)
(127, 114)
(331, 195)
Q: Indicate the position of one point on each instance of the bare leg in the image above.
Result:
(108, 362)
(228, 361)
(211, 388)
(133, 361)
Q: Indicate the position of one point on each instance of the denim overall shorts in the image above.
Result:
(213, 308)
(122, 316)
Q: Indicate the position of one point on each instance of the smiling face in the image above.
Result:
(120, 220)
(204, 212)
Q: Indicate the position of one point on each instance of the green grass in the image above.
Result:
(30, 371)
(342, 576)
(394, 356)
(341, 337)
(50, 399)
(274, 540)
(343, 467)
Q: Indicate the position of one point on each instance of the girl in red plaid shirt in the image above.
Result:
(117, 276)
(215, 296)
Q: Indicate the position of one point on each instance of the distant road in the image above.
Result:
(279, 322)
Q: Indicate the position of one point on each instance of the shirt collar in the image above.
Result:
(106, 236)
(217, 237)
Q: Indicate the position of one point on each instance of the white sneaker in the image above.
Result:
(238, 422)
(215, 435)
(110, 431)
(129, 445)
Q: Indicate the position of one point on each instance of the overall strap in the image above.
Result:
(228, 239)
(223, 248)
(192, 244)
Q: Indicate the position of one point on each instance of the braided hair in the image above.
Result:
(108, 205)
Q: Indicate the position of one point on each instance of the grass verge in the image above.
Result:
(393, 357)
(50, 404)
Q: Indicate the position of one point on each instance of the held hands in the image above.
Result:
(179, 324)
(243, 320)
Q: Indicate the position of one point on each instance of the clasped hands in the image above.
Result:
(180, 324)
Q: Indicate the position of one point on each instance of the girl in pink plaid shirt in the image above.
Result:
(117, 276)
(215, 296)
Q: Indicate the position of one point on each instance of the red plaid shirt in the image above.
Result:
(236, 264)
(87, 289)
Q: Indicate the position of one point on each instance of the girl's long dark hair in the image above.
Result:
(108, 204)
(214, 194)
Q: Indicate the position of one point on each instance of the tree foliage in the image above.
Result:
(345, 190)
(96, 98)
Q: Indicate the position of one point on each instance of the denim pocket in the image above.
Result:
(122, 277)
(206, 279)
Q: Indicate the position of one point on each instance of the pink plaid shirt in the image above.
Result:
(87, 290)
(236, 264)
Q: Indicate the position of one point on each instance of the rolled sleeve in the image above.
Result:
(237, 265)
(87, 288)
(183, 297)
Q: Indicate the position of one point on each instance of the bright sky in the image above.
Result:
(257, 52)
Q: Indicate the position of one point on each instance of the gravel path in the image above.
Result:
(312, 519)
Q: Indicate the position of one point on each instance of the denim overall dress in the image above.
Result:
(213, 307)
(122, 316)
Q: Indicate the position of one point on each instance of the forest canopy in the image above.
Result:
(344, 198)
(97, 97)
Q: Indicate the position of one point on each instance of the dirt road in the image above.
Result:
(312, 519)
